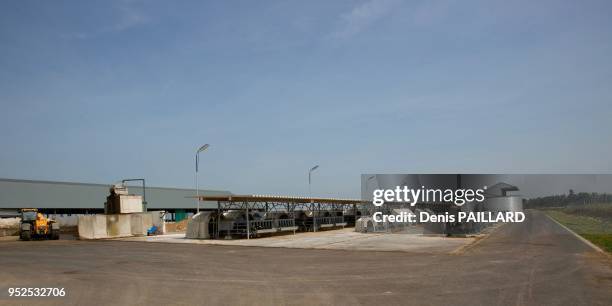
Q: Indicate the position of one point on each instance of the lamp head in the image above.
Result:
(204, 147)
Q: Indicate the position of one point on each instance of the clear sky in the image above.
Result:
(96, 91)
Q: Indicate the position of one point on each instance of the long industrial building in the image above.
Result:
(83, 198)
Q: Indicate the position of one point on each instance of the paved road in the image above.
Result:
(534, 263)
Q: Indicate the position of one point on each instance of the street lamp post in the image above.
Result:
(314, 217)
(197, 159)
(371, 208)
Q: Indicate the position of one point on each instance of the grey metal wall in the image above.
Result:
(63, 195)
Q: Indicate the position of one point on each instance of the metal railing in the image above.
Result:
(239, 226)
(261, 224)
(286, 223)
(330, 220)
(272, 224)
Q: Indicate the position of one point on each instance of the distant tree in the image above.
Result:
(566, 200)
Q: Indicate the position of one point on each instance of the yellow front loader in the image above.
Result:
(34, 225)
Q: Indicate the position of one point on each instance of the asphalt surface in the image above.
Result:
(339, 239)
(533, 263)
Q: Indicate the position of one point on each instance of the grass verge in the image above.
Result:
(596, 230)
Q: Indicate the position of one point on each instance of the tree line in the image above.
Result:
(570, 199)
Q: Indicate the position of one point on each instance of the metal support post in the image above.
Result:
(248, 222)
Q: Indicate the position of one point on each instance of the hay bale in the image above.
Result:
(10, 223)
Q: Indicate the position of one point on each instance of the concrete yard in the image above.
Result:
(343, 239)
(533, 263)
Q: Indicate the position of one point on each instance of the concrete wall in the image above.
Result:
(140, 223)
(92, 227)
(116, 225)
(73, 220)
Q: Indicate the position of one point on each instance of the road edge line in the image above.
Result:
(586, 241)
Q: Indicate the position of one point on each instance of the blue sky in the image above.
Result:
(96, 91)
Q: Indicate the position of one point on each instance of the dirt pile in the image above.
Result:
(180, 226)
(9, 226)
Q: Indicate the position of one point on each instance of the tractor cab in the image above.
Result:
(29, 214)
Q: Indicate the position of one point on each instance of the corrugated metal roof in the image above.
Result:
(49, 194)
(278, 199)
(500, 189)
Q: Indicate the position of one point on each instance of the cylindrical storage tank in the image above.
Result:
(508, 203)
